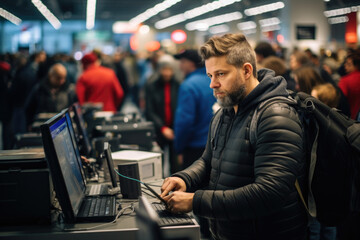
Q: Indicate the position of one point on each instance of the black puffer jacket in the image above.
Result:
(248, 192)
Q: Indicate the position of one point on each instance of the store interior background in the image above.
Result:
(124, 26)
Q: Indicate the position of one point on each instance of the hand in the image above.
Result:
(168, 133)
(172, 184)
(179, 202)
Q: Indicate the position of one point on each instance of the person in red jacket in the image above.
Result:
(98, 84)
(350, 83)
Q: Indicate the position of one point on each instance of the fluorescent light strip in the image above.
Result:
(219, 29)
(204, 24)
(10, 17)
(47, 14)
(90, 14)
(153, 11)
(195, 12)
(270, 28)
(243, 26)
(336, 20)
(269, 22)
(264, 8)
(341, 11)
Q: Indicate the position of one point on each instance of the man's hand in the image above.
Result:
(172, 184)
(179, 202)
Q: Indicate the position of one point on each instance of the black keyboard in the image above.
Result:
(170, 219)
(97, 207)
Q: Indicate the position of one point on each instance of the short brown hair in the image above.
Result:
(328, 94)
(234, 46)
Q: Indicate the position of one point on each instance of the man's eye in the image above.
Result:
(220, 74)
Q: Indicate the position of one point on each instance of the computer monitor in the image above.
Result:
(63, 159)
(80, 130)
(110, 163)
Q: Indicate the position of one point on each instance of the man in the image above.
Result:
(245, 190)
(98, 84)
(52, 94)
(194, 109)
(350, 83)
(161, 98)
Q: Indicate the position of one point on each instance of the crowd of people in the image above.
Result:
(178, 94)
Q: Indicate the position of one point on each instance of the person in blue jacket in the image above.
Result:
(194, 109)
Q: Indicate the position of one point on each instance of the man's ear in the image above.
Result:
(248, 70)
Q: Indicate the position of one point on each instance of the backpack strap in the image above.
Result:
(295, 101)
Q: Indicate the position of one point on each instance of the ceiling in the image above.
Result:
(123, 10)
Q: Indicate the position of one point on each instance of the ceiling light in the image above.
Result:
(153, 11)
(269, 22)
(90, 14)
(47, 14)
(246, 25)
(144, 29)
(10, 17)
(264, 8)
(223, 28)
(195, 12)
(341, 11)
(204, 24)
(270, 28)
(336, 20)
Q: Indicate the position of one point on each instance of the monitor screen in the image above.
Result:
(80, 131)
(67, 156)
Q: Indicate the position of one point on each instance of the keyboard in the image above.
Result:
(170, 219)
(98, 189)
(97, 207)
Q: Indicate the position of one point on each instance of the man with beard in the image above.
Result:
(245, 188)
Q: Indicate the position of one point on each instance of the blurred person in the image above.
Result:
(161, 100)
(25, 78)
(306, 78)
(121, 72)
(194, 108)
(5, 105)
(279, 67)
(350, 83)
(327, 94)
(299, 59)
(245, 191)
(98, 84)
(51, 95)
(263, 50)
(330, 65)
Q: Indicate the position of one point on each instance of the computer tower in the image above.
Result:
(26, 189)
(129, 188)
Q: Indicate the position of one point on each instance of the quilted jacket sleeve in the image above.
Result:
(278, 161)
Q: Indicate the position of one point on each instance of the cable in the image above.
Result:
(133, 179)
(120, 213)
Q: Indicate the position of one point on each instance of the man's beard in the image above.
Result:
(233, 97)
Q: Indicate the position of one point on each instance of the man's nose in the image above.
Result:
(214, 83)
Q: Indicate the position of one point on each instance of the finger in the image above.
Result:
(165, 184)
(167, 189)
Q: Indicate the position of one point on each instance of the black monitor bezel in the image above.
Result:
(110, 163)
(83, 139)
(55, 169)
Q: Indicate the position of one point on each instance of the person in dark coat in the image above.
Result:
(51, 95)
(245, 189)
(161, 100)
